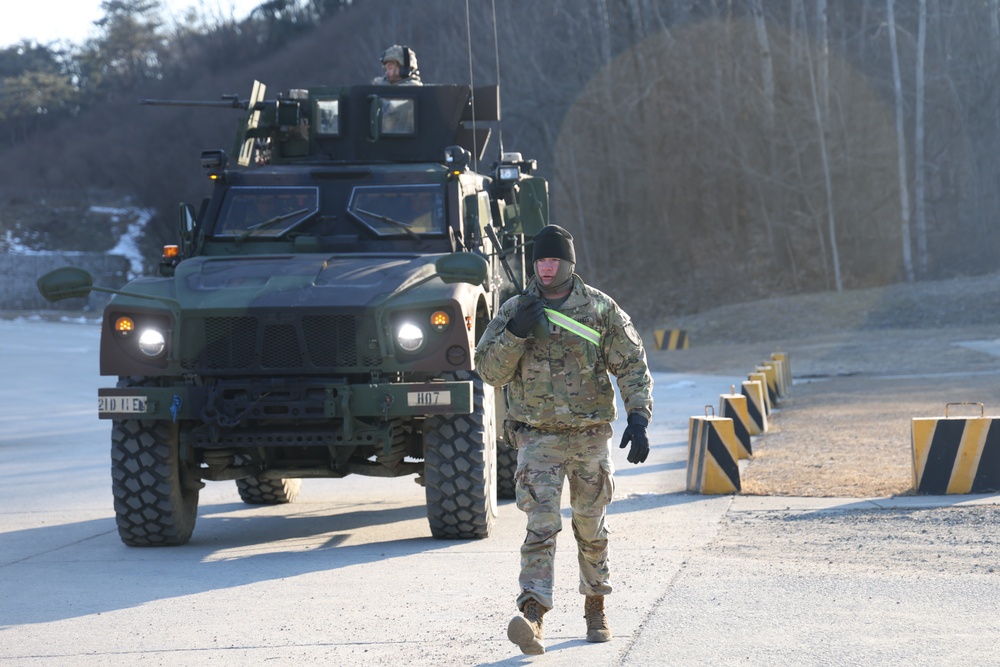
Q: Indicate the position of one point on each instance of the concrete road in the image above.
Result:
(348, 575)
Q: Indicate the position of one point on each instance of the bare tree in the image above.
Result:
(904, 191)
(820, 119)
(823, 68)
(919, 166)
(995, 24)
(766, 63)
(733, 149)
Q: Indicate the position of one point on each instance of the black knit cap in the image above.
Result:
(554, 241)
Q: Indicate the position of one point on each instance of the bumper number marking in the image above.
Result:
(122, 404)
(427, 399)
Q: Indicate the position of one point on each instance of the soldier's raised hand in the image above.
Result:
(530, 311)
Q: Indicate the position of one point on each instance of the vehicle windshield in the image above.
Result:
(390, 210)
(265, 212)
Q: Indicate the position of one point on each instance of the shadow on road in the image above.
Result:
(87, 570)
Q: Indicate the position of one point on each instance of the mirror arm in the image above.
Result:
(174, 304)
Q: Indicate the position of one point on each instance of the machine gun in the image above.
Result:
(227, 102)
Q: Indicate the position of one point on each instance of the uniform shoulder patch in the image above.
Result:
(631, 333)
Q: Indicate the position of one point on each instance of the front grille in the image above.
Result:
(278, 342)
(281, 347)
(224, 342)
(330, 339)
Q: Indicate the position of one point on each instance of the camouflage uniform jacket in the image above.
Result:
(562, 383)
(405, 81)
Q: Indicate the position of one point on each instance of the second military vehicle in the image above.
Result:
(319, 314)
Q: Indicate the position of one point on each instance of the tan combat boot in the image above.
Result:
(526, 630)
(598, 629)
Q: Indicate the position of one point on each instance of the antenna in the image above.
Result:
(496, 55)
(468, 33)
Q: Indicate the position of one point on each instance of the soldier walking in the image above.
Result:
(554, 347)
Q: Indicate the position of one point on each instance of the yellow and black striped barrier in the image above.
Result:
(734, 406)
(713, 463)
(756, 406)
(778, 368)
(784, 370)
(670, 339)
(956, 454)
(759, 376)
(771, 376)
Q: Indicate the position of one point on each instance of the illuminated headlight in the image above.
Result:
(509, 173)
(152, 343)
(410, 337)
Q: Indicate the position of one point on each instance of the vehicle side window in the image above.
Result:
(398, 116)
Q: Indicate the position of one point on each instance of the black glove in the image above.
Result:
(635, 433)
(530, 312)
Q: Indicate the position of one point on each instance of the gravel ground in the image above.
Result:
(865, 363)
(886, 580)
(955, 539)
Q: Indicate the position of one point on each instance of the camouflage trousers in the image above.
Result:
(545, 460)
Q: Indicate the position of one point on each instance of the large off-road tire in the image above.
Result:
(156, 495)
(257, 491)
(506, 454)
(506, 467)
(460, 475)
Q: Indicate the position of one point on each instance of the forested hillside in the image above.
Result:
(702, 151)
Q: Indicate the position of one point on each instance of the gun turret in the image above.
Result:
(367, 123)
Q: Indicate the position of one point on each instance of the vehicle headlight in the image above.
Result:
(410, 337)
(152, 343)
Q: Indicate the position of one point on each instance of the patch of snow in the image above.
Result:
(15, 247)
(80, 320)
(128, 245)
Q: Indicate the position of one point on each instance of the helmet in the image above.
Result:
(404, 56)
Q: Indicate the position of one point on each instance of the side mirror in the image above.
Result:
(534, 205)
(462, 267)
(187, 219)
(186, 228)
(70, 282)
(65, 283)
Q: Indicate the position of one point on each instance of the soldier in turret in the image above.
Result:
(400, 64)
(555, 347)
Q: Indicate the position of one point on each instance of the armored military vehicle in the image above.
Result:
(319, 313)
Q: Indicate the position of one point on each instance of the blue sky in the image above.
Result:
(46, 21)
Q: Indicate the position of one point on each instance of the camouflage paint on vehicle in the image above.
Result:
(319, 315)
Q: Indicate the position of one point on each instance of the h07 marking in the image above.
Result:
(427, 399)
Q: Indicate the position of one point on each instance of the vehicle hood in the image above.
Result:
(297, 280)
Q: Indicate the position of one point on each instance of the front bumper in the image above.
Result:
(229, 404)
